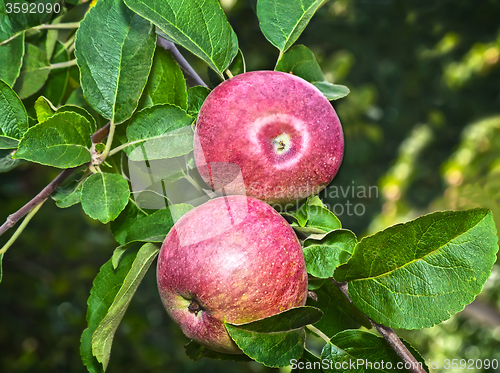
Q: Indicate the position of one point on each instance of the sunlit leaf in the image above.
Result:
(104, 196)
(44, 109)
(200, 26)
(114, 62)
(282, 21)
(61, 141)
(423, 271)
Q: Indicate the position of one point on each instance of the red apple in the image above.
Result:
(232, 259)
(276, 130)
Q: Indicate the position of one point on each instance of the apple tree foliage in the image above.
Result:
(96, 71)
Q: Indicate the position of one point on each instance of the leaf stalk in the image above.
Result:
(20, 230)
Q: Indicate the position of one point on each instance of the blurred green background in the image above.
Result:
(422, 132)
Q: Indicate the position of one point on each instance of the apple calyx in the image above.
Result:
(195, 307)
(282, 143)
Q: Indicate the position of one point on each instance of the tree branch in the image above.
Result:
(390, 336)
(42, 196)
(169, 46)
(100, 134)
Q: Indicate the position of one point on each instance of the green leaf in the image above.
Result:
(332, 91)
(61, 141)
(238, 66)
(34, 72)
(118, 254)
(69, 197)
(11, 59)
(104, 333)
(300, 61)
(104, 196)
(125, 221)
(354, 350)
(114, 62)
(315, 283)
(423, 271)
(13, 117)
(339, 313)
(154, 227)
(51, 40)
(301, 216)
(104, 290)
(282, 21)
(133, 226)
(6, 161)
(71, 193)
(44, 109)
(323, 256)
(313, 218)
(196, 97)
(166, 83)
(200, 26)
(58, 79)
(100, 147)
(275, 340)
(81, 111)
(321, 218)
(159, 132)
(195, 351)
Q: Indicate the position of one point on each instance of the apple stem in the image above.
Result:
(390, 336)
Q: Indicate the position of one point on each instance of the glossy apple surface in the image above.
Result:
(232, 259)
(276, 130)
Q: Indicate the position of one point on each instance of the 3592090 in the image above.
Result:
(32, 8)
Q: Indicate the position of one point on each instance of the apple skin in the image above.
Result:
(232, 259)
(277, 128)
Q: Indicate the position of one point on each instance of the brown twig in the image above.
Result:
(43, 195)
(100, 134)
(97, 137)
(390, 336)
(169, 46)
